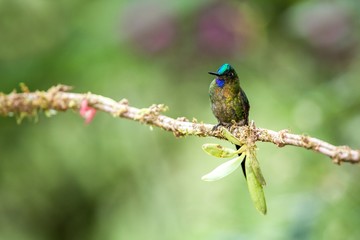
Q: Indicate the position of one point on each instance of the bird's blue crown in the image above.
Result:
(224, 68)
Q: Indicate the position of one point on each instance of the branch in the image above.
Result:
(28, 104)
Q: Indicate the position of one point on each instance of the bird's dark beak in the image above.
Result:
(214, 73)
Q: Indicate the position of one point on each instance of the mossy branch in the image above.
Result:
(28, 104)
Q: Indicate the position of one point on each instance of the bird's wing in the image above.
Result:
(246, 104)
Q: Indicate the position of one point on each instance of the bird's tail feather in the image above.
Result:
(243, 162)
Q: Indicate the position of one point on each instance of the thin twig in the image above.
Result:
(58, 98)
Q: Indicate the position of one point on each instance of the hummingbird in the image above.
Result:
(229, 103)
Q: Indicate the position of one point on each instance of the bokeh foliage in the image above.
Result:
(115, 179)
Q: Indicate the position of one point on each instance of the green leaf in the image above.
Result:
(230, 137)
(255, 166)
(218, 151)
(224, 169)
(255, 189)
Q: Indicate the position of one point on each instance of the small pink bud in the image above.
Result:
(88, 113)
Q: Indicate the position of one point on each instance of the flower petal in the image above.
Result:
(219, 151)
(230, 137)
(255, 166)
(224, 169)
(255, 189)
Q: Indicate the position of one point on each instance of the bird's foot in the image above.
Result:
(216, 127)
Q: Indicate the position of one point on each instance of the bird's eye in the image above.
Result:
(231, 74)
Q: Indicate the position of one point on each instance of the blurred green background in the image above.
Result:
(116, 179)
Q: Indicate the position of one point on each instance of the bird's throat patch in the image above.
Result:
(220, 82)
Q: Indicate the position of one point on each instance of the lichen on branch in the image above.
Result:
(59, 98)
